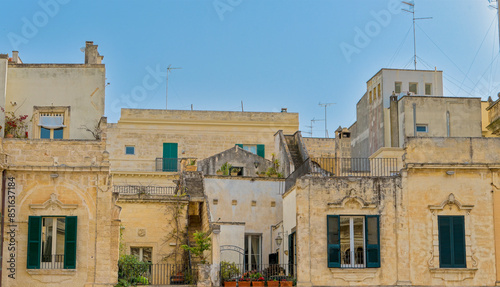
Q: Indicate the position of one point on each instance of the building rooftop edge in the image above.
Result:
(406, 70)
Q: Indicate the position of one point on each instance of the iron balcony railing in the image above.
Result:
(172, 274)
(149, 190)
(167, 164)
(354, 166)
(270, 272)
(55, 261)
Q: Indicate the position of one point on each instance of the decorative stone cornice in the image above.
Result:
(451, 200)
(52, 203)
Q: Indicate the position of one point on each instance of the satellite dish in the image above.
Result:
(82, 49)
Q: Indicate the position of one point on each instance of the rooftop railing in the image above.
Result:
(149, 190)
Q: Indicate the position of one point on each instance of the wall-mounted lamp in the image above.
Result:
(54, 175)
(256, 163)
(450, 172)
(278, 240)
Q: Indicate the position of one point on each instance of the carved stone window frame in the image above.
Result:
(37, 110)
(452, 206)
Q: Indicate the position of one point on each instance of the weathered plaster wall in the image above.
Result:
(320, 147)
(289, 219)
(257, 203)
(237, 157)
(79, 86)
(464, 116)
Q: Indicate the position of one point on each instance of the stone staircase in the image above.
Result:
(294, 150)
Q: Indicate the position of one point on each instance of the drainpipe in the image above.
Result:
(2, 228)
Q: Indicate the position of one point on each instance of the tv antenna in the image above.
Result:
(411, 9)
(326, 105)
(169, 68)
(311, 126)
(498, 10)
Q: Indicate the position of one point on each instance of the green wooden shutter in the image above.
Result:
(333, 240)
(261, 150)
(34, 242)
(70, 242)
(240, 145)
(170, 156)
(459, 242)
(372, 230)
(445, 241)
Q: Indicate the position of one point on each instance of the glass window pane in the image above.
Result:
(397, 87)
(47, 231)
(129, 150)
(44, 133)
(250, 148)
(371, 226)
(135, 251)
(413, 88)
(58, 133)
(147, 254)
(428, 89)
(61, 233)
(359, 242)
(333, 230)
(345, 240)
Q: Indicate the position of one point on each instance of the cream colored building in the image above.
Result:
(61, 100)
(61, 223)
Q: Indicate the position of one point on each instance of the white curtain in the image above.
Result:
(51, 121)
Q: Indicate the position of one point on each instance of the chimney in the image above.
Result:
(284, 110)
(91, 54)
(15, 57)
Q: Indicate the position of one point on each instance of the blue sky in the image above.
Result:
(269, 54)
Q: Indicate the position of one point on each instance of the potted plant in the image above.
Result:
(226, 168)
(15, 126)
(235, 171)
(219, 172)
(287, 282)
(244, 282)
(191, 166)
(273, 283)
(229, 272)
(258, 280)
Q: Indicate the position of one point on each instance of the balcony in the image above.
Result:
(175, 164)
(144, 190)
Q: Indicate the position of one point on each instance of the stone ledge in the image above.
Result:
(354, 275)
(51, 272)
(453, 274)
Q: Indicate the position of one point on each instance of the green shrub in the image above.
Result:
(131, 270)
(229, 270)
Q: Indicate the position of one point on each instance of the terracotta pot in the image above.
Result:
(229, 283)
(191, 168)
(244, 283)
(258, 283)
(286, 283)
(219, 172)
(273, 283)
(234, 174)
(9, 136)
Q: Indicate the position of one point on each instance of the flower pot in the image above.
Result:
(273, 283)
(286, 283)
(234, 174)
(274, 175)
(191, 168)
(258, 283)
(244, 283)
(9, 136)
(219, 172)
(229, 283)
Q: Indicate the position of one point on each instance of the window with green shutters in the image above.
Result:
(353, 241)
(258, 149)
(451, 242)
(52, 242)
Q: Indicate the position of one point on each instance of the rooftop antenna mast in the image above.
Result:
(169, 69)
(411, 9)
(498, 11)
(311, 126)
(326, 105)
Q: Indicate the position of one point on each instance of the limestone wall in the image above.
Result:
(319, 197)
(199, 134)
(320, 147)
(78, 185)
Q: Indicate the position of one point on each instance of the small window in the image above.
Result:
(421, 128)
(52, 242)
(129, 150)
(451, 242)
(397, 87)
(143, 254)
(428, 89)
(378, 90)
(258, 149)
(353, 241)
(51, 125)
(413, 88)
(374, 93)
(370, 97)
